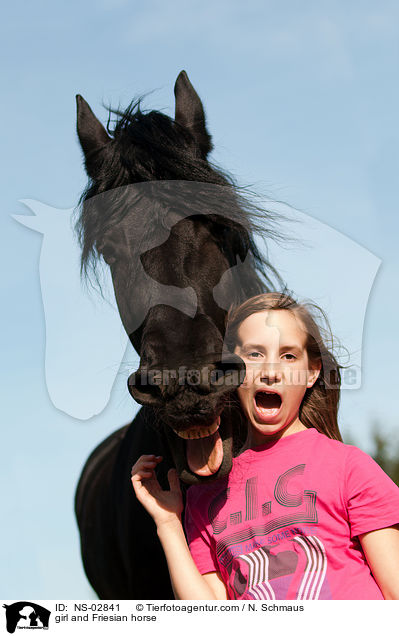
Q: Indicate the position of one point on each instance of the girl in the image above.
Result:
(301, 515)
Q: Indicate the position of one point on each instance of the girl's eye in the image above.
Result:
(289, 356)
(253, 354)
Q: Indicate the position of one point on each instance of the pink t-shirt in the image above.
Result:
(284, 523)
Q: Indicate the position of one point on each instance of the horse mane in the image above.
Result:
(149, 152)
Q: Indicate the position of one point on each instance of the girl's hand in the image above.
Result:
(165, 506)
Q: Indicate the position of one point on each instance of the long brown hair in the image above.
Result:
(319, 408)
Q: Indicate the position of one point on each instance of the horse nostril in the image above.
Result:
(228, 374)
(144, 388)
(133, 380)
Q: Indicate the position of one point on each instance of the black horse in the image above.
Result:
(179, 238)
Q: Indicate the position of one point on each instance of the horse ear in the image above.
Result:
(189, 112)
(92, 134)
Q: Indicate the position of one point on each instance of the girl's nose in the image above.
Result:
(270, 373)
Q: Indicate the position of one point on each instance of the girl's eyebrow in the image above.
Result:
(251, 345)
(291, 347)
(283, 347)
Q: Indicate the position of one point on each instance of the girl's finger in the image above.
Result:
(146, 457)
(139, 485)
(137, 468)
(173, 480)
(145, 460)
(142, 474)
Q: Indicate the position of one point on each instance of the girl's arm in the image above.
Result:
(165, 507)
(187, 582)
(381, 548)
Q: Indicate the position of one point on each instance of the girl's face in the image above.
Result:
(272, 345)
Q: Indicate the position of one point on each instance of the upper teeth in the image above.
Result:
(198, 433)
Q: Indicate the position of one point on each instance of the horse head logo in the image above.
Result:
(80, 374)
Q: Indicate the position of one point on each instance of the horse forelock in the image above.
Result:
(149, 146)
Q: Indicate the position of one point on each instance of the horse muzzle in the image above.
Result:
(158, 384)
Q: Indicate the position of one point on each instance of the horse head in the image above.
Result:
(177, 237)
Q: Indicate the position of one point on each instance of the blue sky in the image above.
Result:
(302, 101)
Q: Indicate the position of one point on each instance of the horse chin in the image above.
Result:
(200, 458)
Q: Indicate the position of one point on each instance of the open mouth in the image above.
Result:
(204, 448)
(267, 403)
